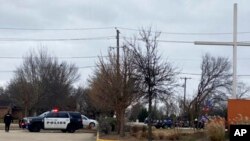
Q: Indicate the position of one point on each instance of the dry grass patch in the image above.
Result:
(216, 129)
(160, 135)
(140, 133)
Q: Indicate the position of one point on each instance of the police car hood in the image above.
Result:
(36, 118)
(32, 117)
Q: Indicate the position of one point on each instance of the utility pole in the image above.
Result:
(235, 52)
(234, 44)
(185, 86)
(118, 51)
(118, 58)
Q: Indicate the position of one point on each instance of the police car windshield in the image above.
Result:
(44, 114)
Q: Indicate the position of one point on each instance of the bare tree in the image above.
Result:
(242, 90)
(21, 93)
(136, 110)
(85, 103)
(41, 82)
(112, 91)
(171, 106)
(155, 77)
(4, 96)
(215, 80)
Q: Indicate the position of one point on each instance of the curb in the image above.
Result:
(98, 139)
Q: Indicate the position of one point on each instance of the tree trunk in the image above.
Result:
(122, 123)
(150, 117)
(25, 111)
(118, 119)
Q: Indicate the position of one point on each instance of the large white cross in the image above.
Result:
(234, 44)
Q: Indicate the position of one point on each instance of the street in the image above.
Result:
(45, 135)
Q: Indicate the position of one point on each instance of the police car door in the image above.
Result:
(50, 120)
(62, 121)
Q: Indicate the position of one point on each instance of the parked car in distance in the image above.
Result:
(88, 123)
(168, 123)
(154, 122)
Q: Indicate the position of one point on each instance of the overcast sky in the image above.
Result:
(167, 16)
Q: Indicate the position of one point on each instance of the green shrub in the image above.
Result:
(107, 124)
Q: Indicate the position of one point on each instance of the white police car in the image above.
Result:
(65, 121)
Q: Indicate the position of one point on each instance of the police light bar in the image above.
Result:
(55, 110)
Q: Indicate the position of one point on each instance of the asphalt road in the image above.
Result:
(45, 135)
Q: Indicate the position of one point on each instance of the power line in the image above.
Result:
(76, 57)
(161, 40)
(124, 28)
(86, 67)
(12, 71)
(95, 28)
(172, 41)
(187, 33)
(79, 39)
(6, 71)
(198, 74)
(190, 73)
(91, 38)
(105, 56)
(176, 41)
(61, 39)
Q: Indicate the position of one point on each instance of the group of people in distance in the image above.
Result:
(198, 124)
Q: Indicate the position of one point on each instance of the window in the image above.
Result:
(52, 115)
(75, 115)
(63, 115)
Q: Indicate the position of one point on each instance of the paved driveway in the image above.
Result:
(46, 135)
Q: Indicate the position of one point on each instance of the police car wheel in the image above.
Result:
(36, 128)
(70, 129)
(30, 129)
(64, 130)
